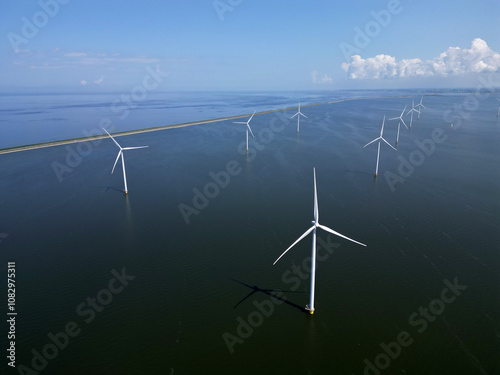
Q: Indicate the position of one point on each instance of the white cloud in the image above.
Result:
(324, 79)
(99, 81)
(73, 54)
(57, 59)
(83, 82)
(454, 61)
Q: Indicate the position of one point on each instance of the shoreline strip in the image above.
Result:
(173, 126)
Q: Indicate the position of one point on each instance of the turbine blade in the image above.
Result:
(394, 118)
(387, 143)
(250, 119)
(295, 115)
(376, 139)
(301, 237)
(112, 139)
(238, 122)
(242, 283)
(340, 235)
(249, 128)
(133, 148)
(403, 121)
(316, 211)
(382, 130)
(303, 115)
(404, 109)
(246, 297)
(116, 161)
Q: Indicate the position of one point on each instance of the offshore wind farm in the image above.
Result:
(187, 254)
(163, 166)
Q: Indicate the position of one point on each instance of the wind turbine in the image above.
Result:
(420, 105)
(248, 126)
(120, 153)
(316, 224)
(379, 139)
(400, 117)
(411, 111)
(298, 117)
(399, 123)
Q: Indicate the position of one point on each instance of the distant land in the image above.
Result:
(157, 128)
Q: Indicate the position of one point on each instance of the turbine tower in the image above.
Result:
(315, 225)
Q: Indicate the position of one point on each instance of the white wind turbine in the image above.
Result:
(248, 127)
(316, 224)
(298, 117)
(400, 118)
(379, 139)
(420, 105)
(411, 111)
(120, 153)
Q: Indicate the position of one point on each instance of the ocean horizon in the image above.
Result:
(39, 117)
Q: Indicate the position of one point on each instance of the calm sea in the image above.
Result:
(199, 294)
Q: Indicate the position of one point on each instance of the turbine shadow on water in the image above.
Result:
(256, 289)
(107, 188)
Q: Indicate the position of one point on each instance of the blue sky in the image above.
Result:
(247, 44)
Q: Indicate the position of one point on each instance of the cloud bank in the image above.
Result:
(479, 58)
